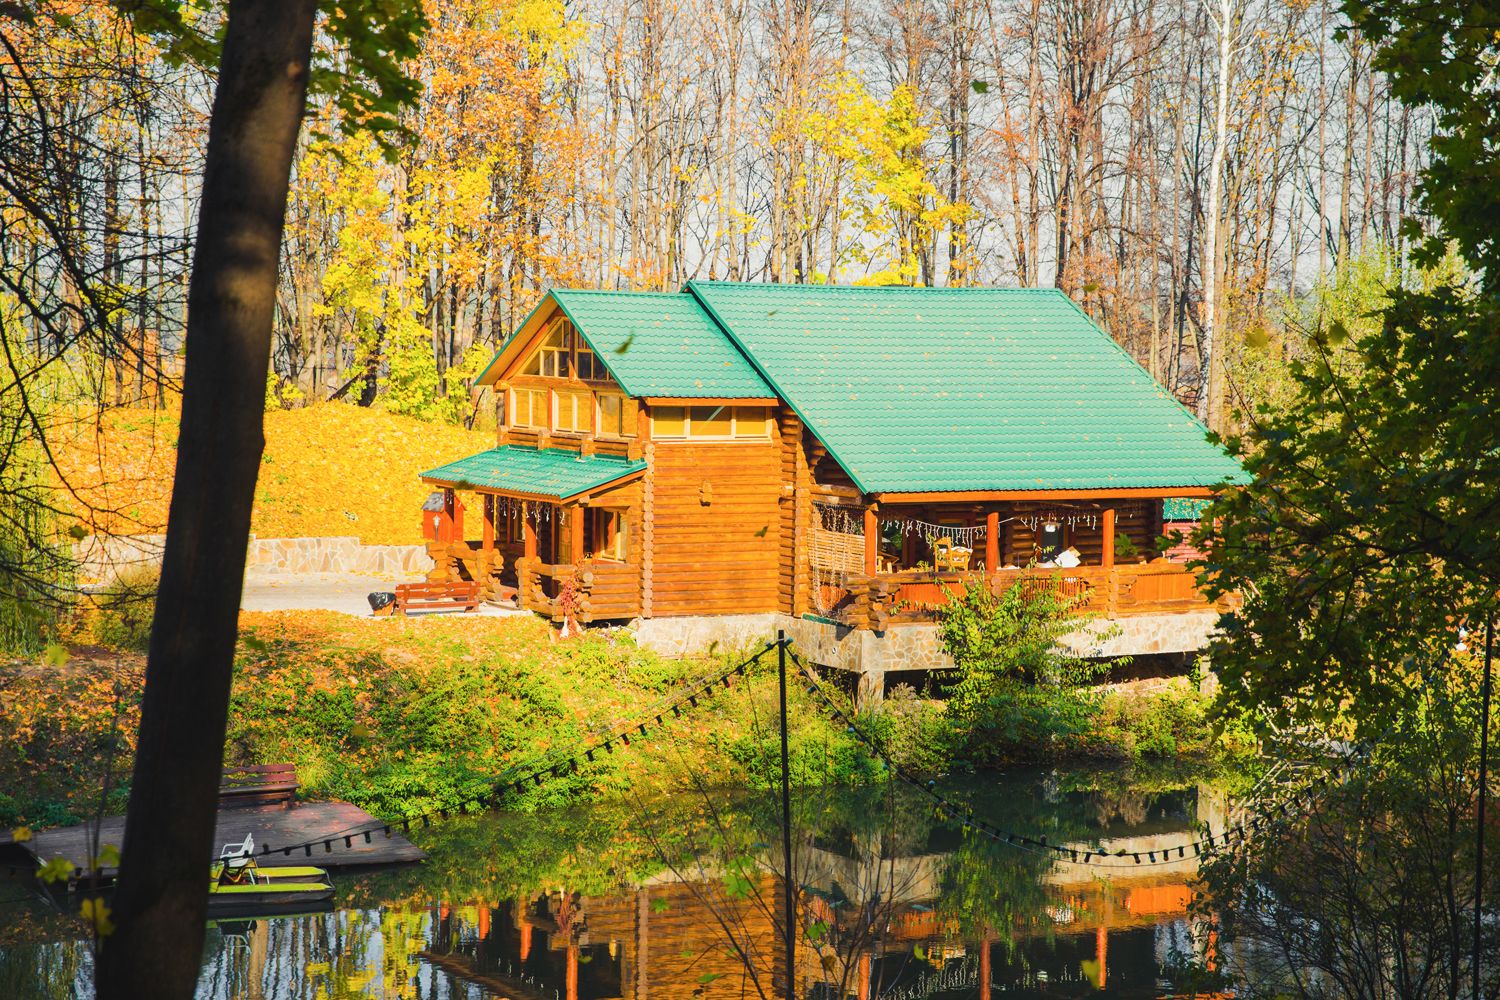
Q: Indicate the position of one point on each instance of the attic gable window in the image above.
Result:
(586, 364)
(551, 359)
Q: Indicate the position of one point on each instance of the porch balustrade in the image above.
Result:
(878, 601)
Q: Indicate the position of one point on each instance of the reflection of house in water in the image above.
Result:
(673, 938)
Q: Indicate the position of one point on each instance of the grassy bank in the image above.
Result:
(406, 715)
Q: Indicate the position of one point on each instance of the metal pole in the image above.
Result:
(787, 881)
(1484, 752)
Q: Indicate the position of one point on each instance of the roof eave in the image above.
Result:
(1089, 493)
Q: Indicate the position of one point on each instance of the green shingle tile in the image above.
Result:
(548, 472)
(921, 389)
(661, 344)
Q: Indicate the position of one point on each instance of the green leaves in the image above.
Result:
(365, 64)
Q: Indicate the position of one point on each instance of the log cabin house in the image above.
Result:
(831, 453)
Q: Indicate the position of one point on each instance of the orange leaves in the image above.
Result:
(322, 464)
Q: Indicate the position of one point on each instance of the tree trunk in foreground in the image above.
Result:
(160, 903)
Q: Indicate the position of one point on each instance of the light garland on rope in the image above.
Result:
(840, 521)
(556, 764)
(537, 512)
(964, 814)
(1073, 519)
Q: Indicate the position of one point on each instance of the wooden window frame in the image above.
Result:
(599, 373)
(515, 407)
(626, 431)
(764, 433)
(607, 534)
(583, 407)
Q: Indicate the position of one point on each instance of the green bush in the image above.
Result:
(1017, 693)
(122, 611)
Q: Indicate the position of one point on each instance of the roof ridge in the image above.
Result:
(635, 293)
(829, 286)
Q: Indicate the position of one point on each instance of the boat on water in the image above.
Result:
(238, 886)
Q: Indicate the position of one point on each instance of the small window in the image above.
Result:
(528, 407)
(711, 421)
(572, 411)
(604, 534)
(669, 421)
(616, 416)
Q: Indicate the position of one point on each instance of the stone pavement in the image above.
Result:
(326, 591)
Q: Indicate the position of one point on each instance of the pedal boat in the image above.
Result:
(238, 886)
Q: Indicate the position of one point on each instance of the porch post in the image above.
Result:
(450, 508)
(872, 540)
(458, 519)
(1112, 579)
(528, 530)
(992, 542)
(488, 535)
(575, 541)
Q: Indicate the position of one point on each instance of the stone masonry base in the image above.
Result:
(873, 655)
(101, 559)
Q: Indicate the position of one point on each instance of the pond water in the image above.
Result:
(682, 897)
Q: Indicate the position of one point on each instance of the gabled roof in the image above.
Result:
(946, 390)
(654, 344)
(550, 473)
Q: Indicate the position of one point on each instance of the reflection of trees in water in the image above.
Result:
(1370, 896)
(680, 896)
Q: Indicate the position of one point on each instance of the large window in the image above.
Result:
(528, 407)
(572, 412)
(710, 421)
(616, 416)
(604, 534)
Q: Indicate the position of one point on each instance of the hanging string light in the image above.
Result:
(841, 521)
(1034, 521)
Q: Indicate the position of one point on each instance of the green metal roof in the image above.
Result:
(929, 389)
(661, 344)
(548, 472)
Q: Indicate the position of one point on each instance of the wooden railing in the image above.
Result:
(595, 590)
(913, 596)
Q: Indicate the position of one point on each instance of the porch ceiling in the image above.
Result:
(547, 473)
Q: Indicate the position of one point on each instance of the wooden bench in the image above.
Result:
(258, 784)
(460, 596)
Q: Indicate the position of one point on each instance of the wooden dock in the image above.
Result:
(307, 822)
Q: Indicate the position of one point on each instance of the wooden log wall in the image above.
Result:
(715, 527)
(794, 578)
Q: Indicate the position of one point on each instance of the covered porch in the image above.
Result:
(552, 530)
(896, 560)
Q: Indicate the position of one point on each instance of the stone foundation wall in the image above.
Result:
(910, 647)
(334, 555)
(691, 635)
(100, 559)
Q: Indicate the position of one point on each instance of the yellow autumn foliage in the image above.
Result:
(331, 469)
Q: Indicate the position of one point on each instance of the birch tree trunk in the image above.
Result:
(1211, 403)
